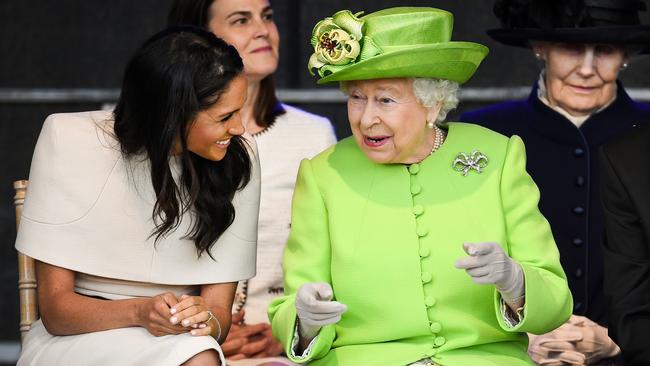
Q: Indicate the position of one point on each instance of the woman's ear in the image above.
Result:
(433, 112)
(539, 50)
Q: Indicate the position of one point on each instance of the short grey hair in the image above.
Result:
(430, 91)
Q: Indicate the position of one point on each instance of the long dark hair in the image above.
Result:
(197, 13)
(174, 75)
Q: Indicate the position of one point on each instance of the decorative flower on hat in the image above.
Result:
(336, 42)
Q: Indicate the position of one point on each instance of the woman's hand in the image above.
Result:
(579, 341)
(153, 315)
(250, 340)
(193, 312)
(315, 309)
(489, 264)
(240, 334)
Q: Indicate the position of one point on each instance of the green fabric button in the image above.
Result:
(414, 168)
(429, 301)
(418, 210)
(424, 252)
(416, 188)
(439, 341)
(422, 231)
(435, 327)
(426, 277)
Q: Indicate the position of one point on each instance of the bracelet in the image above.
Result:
(216, 321)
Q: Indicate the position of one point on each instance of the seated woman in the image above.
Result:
(413, 242)
(143, 220)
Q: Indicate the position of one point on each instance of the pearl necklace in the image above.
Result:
(438, 139)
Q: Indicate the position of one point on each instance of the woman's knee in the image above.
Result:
(208, 357)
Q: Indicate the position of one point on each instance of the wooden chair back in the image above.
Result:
(26, 270)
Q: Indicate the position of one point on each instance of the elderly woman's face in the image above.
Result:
(580, 78)
(388, 122)
(248, 25)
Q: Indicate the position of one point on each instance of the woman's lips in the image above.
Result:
(223, 144)
(375, 141)
(262, 49)
(583, 89)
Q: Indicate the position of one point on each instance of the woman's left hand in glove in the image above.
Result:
(489, 264)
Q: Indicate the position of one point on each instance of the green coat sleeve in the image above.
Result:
(530, 242)
(306, 259)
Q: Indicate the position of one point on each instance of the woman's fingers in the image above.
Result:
(202, 330)
(253, 329)
(231, 347)
(255, 346)
(189, 311)
(185, 302)
(189, 316)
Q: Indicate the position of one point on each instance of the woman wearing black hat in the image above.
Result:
(576, 105)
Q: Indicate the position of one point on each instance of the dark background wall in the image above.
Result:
(85, 44)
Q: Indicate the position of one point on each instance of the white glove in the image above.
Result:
(315, 308)
(489, 264)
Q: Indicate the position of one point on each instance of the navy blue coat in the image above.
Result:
(563, 161)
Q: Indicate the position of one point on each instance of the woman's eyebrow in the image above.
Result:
(243, 13)
(248, 14)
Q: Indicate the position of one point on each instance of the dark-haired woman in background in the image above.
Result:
(285, 135)
(143, 220)
(576, 105)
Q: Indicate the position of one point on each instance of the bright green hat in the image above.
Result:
(392, 43)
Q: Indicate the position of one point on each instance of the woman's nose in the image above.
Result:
(235, 126)
(261, 29)
(587, 67)
(369, 115)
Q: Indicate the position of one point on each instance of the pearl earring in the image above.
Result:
(624, 66)
(430, 124)
(538, 55)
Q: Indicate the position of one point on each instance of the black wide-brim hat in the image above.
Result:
(573, 21)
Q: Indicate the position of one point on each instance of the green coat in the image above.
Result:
(386, 238)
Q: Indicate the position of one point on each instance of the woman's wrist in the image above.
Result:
(137, 311)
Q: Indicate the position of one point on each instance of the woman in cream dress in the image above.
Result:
(143, 220)
(284, 136)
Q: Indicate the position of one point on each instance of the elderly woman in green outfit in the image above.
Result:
(413, 242)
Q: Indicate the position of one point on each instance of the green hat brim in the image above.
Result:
(456, 61)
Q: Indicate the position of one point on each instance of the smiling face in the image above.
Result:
(580, 78)
(388, 122)
(210, 133)
(248, 25)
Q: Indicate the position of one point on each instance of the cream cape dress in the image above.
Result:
(90, 210)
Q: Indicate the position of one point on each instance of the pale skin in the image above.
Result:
(580, 78)
(389, 124)
(248, 25)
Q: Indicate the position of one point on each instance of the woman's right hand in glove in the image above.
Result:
(315, 309)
